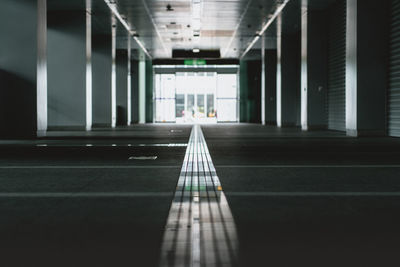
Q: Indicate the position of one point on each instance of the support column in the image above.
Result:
(23, 92)
(129, 81)
(263, 80)
(288, 74)
(122, 86)
(69, 69)
(142, 88)
(365, 82)
(113, 71)
(314, 55)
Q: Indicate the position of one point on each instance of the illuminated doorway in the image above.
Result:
(201, 96)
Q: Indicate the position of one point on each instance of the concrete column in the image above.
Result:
(101, 69)
(23, 83)
(314, 49)
(270, 86)
(129, 81)
(142, 88)
(366, 50)
(69, 69)
(122, 86)
(288, 74)
(113, 71)
(263, 80)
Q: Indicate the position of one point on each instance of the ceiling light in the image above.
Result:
(196, 50)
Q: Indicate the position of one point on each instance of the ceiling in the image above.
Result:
(163, 25)
(225, 25)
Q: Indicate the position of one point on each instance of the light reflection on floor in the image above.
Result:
(200, 229)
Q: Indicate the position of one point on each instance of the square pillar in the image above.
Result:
(366, 67)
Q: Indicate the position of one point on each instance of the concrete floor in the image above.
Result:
(310, 199)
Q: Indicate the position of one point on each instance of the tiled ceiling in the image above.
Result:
(225, 25)
(162, 25)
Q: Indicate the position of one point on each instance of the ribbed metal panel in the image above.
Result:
(394, 72)
(336, 106)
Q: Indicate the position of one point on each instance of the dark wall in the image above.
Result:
(372, 59)
(270, 86)
(149, 91)
(135, 90)
(101, 73)
(290, 79)
(66, 62)
(122, 86)
(250, 91)
(18, 50)
(317, 68)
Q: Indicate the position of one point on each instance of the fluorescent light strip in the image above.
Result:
(266, 26)
(114, 10)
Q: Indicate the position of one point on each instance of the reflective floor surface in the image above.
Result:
(210, 195)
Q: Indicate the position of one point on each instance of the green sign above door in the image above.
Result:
(192, 62)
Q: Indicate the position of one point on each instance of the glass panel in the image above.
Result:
(165, 110)
(210, 106)
(227, 86)
(200, 106)
(180, 106)
(190, 107)
(226, 110)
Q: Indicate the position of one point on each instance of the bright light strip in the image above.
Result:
(196, 50)
(266, 26)
(114, 10)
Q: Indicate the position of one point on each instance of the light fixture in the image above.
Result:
(196, 50)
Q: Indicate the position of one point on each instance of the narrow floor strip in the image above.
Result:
(200, 229)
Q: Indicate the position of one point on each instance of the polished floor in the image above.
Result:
(283, 198)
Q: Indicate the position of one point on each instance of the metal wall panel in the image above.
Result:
(336, 113)
(394, 72)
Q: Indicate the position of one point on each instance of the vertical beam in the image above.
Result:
(304, 67)
(279, 71)
(113, 71)
(351, 68)
(366, 84)
(41, 79)
(263, 80)
(142, 88)
(129, 92)
(88, 65)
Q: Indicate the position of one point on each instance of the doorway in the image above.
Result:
(204, 97)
